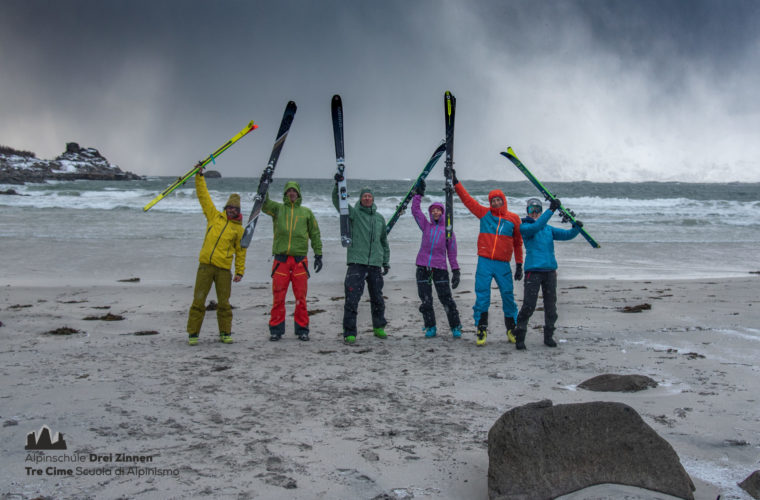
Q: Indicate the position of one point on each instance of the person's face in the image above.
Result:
(292, 194)
(436, 212)
(367, 200)
(497, 202)
(232, 212)
(535, 212)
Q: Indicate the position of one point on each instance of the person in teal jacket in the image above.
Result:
(540, 268)
(368, 260)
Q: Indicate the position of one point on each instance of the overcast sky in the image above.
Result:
(582, 90)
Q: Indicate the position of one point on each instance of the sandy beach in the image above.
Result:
(401, 417)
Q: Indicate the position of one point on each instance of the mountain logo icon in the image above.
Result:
(43, 441)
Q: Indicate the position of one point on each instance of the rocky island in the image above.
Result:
(20, 167)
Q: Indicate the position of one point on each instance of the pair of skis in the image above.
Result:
(446, 146)
(567, 214)
(201, 164)
(266, 176)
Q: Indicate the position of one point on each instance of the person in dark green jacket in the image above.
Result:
(368, 258)
(293, 227)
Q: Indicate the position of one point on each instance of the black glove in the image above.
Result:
(554, 204)
(420, 189)
(454, 278)
(578, 223)
(454, 179)
(518, 272)
(386, 268)
(338, 177)
(317, 263)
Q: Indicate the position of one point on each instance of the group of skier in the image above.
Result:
(502, 235)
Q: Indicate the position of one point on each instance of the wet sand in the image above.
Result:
(402, 416)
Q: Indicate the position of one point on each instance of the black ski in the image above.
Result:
(258, 199)
(337, 119)
(401, 207)
(449, 108)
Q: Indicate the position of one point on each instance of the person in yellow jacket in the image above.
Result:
(221, 244)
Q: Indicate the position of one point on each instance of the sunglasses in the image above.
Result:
(234, 209)
(535, 210)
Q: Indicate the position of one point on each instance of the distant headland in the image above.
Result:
(20, 167)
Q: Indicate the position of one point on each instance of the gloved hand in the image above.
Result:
(454, 179)
(454, 278)
(338, 177)
(386, 268)
(317, 263)
(578, 223)
(518, 272)
(554, 204)
(420, 189)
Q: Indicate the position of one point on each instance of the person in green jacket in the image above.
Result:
(293, 226)
(222, 242)
(368, 259)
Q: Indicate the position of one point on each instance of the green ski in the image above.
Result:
(211, 158)
(401, 207)
(567, 215)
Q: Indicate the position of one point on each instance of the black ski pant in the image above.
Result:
(426, 278)
(356, 276)
(535, 280)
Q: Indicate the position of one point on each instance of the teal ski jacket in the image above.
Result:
(538, 238)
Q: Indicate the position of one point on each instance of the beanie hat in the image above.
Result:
(233, 201)
(365, 190)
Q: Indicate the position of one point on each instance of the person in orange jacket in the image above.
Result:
(499, 238)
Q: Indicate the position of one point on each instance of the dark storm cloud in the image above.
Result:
(586, 89)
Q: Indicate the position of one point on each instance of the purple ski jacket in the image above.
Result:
(434, 248)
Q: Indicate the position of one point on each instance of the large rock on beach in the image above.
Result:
(752, 484)
(20, 167)
(544, 451)
(610, 382)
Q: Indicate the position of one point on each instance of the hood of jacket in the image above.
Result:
(294, 185)
(497, 193)
(443, 211)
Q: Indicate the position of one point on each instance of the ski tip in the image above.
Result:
(336, 98)
(509, 153)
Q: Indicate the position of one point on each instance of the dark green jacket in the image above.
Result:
(369, 240)
(293, 225)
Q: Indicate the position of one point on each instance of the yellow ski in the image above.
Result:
(212, 157)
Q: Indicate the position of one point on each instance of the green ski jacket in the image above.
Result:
(293, 225)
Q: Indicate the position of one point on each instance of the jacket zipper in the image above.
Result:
(371, 238)
(217, 241)
(432, 245)
(496, 239)
(292, 226)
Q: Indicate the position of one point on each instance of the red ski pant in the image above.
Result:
(291, 270)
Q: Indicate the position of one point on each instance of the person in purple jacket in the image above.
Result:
(432, 268)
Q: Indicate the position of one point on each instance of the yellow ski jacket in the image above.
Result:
(222, 240)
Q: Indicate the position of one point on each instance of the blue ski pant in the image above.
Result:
(487, 271)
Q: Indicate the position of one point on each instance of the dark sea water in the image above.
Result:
(646, 230)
